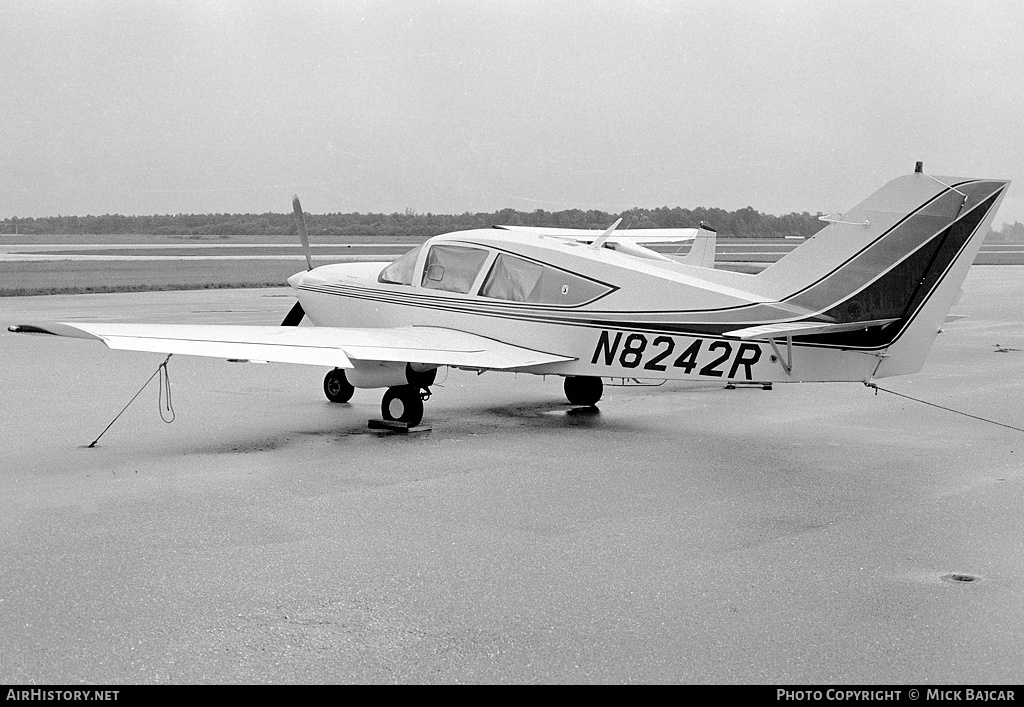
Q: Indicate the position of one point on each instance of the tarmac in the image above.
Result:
(680, 534)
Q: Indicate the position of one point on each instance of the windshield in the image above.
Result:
(401, 271)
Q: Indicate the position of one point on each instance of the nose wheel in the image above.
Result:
(404, 403)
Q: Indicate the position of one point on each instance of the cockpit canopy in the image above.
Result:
(457, 268)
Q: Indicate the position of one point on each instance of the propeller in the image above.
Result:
(296, 313)
(300, 223)
(599, 241)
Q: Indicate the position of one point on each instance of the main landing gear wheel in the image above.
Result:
(583, 390)
(403, 403)
(336, 386)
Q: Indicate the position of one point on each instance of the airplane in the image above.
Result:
(862, 299)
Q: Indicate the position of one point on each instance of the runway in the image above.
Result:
(683, 533)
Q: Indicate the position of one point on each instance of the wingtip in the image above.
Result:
(52, 329)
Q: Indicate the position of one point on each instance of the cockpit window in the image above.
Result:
(452, 268)
(401, 271)
(519, 280)
(511, 278)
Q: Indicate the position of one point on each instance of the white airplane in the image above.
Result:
(861, 300)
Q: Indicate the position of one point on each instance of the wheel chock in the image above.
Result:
(396, 426)
(763, 385)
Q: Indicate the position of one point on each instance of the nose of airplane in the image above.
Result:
(359, 274)
(296, 280)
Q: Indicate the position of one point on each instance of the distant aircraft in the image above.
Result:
(861, 300)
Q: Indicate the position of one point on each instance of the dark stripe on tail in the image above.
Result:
(902, 291)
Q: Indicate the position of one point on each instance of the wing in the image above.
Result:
(317, 346)
(701, 254)
(584, 235)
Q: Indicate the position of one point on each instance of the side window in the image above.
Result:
(560, 287)
(452, 268)
(402, 270)
(519, 280)
(511, 278)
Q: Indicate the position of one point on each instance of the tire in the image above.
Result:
(402, 403)
(583, 390)
(336, 386)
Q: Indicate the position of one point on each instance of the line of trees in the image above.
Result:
(1009, 233)
(742, 223)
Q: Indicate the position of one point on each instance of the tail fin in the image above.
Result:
(940, 288)
(702, 252)
(896, 263)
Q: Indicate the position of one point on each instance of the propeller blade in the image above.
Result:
(300, 223)
(599, 241)
(294, 316)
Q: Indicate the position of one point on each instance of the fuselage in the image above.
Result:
(615, 314)
(865, 297)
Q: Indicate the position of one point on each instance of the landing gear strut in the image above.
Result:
(404, 403)
(583, 390)
(336, 386)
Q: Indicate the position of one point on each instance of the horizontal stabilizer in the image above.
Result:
(776, 331)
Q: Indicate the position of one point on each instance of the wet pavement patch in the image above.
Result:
(960, 578)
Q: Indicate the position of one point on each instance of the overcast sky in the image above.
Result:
(230, 106)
